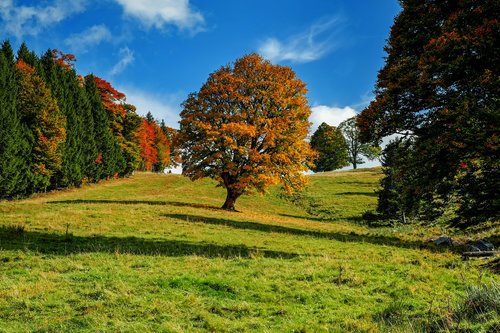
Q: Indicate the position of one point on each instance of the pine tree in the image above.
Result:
(131, 147)
(83, 109)
(106, 161)
(14, 147)
(40, 113)
(61, 79)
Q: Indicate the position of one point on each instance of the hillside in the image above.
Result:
(154, 253)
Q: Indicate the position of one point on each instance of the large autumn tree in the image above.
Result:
(440, 85)
(246, 128)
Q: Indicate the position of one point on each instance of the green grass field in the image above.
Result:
(154, 253)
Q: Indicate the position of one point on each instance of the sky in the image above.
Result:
(158, 51)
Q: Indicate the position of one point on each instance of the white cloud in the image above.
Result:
(304, 47)
(126, 58)
(159, 13)
(166, 107)
(19, 21)
(329, 114)
(94, 35)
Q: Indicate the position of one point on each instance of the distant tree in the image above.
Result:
(150, 118)
(440, 84)
(246, 128)
(355, 147)
(154, 145)
(162, 146)
(171, 134)
(131, 146)
(146, 137)
(330, 144)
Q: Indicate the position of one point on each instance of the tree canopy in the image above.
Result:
(331, 146)
(356, 149)
(246, 128)
(59, 129)
(440, 85)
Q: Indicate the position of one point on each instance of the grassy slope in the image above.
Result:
(153, 253)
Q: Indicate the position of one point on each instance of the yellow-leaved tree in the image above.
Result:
(246, 129)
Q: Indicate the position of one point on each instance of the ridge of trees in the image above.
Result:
(60, 129)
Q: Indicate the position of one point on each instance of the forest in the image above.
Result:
(60, 129)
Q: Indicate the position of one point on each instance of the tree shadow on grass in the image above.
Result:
(135, 202)
(369, 194)
(338, 236)
(321, 219)
(60, 244)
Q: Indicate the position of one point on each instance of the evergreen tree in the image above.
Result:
(106, 159)
(131, 148)
(14, 147)
(61, 79)
(29, 57)
(440, 83)
(83, 108)
(40, 113)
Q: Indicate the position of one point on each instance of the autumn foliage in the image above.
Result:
(60, 129)
(40, 113)
(440, 88)
(155, 147)
(246, 128)
(64, 60)
(111, 98)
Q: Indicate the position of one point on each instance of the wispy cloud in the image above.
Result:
(20, 20)
(94, 35)
(126, 58)
(306, 46)
(161, 13)
(162, 106)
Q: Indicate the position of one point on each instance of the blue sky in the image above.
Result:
(158, 51)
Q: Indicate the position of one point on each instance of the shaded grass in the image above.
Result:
(61, 244)
(342, 237)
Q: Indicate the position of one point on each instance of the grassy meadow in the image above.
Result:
(154, 253)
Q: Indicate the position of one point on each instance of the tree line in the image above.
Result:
(60, 129)
(440, 91)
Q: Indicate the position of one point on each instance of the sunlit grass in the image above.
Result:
(154, 253)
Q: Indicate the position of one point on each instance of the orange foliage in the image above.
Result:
(41, 113)
(24, 67)
(146, 137)
(65, 60)
(246, 128)
(112, 99)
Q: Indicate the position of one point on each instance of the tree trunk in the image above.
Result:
(230, 199)
(354, 165)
